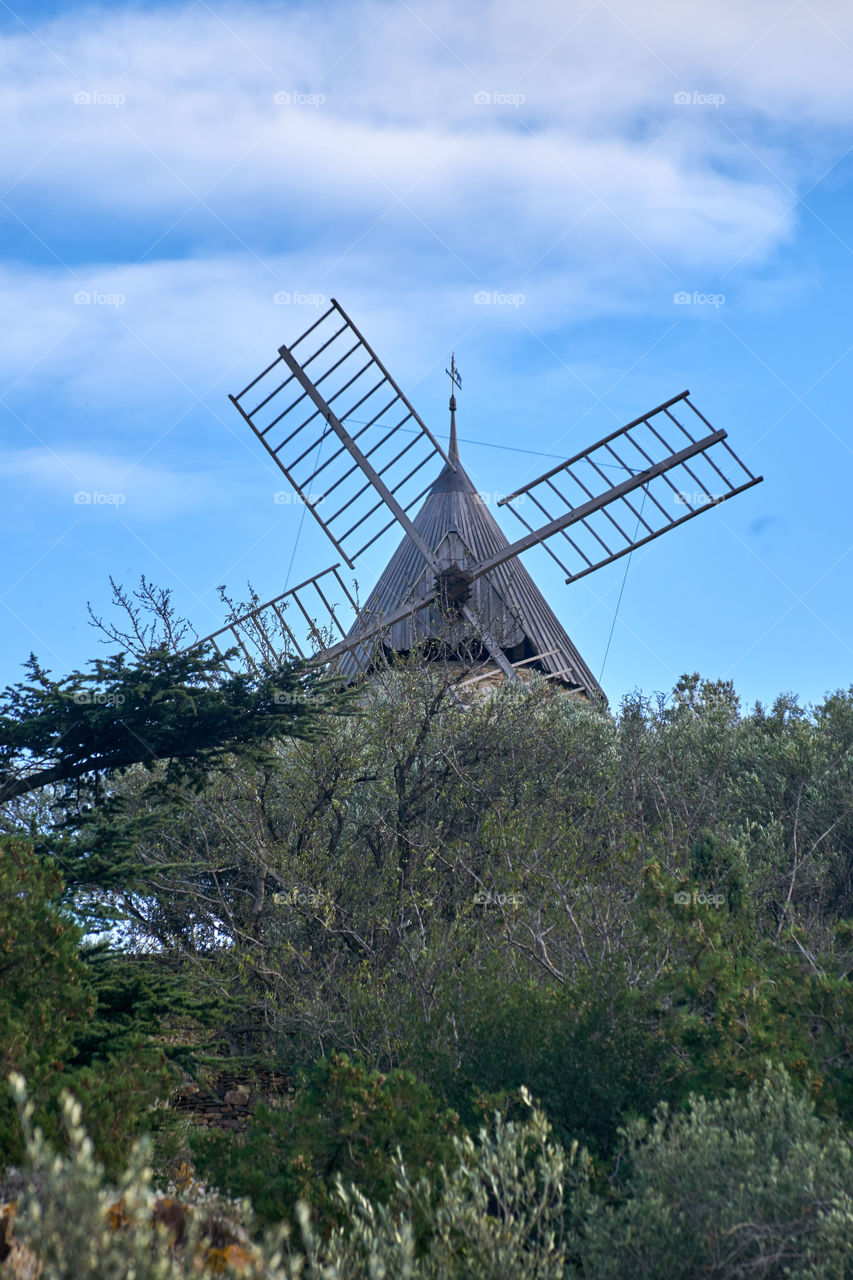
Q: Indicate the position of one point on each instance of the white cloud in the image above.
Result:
(400, 120)
(80, 483)
(598, 195)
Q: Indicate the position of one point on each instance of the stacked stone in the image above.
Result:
(230, 1099)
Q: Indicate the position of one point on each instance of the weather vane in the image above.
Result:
(453, 374)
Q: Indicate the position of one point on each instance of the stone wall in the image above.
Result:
(229, 1099)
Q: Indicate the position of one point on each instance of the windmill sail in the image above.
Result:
(637, 483)
(343, 432)
(297, 624)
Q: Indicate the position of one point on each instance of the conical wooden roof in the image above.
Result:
(456, 523)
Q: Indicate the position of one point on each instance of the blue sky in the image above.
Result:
(184, 165)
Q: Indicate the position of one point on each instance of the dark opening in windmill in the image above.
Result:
(363, 461)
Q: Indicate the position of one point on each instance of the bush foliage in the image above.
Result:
(428, 906)
(747, 1185)
(345, 1122)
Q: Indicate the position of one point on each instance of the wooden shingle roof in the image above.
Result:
(456, 523)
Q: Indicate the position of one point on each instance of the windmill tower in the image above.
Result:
(356, 453)
(507, 606)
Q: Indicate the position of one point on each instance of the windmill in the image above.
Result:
(358, 455)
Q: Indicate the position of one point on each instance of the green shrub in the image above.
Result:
(497, 1212)
(753, 1185)
(345, 1122)
(743, 1186)
(500, 1212)
(82, 1224)
(587, 1051)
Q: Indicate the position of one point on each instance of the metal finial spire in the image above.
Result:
(455, 381)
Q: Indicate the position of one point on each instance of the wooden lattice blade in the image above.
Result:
(632, 486)
(300, 623)
(343, 432)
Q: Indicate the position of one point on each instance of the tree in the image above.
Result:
(96, 1021)
(179, 708)
(44, 984)
(421, 884)
(58, 1024)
